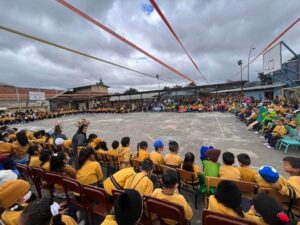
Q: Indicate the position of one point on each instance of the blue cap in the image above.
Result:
(269, 174)
(158, 144)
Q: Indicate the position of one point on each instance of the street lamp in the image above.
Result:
(248, 71)
(240, 63)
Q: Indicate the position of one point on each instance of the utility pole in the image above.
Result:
(157, 76)
(248, 69)
(240, 63)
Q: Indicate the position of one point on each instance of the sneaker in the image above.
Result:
(261, 137)
(266, 144)
(256, 132)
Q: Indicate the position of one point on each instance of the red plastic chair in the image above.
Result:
(213, 218)
(164, 209)
(38, 177)
(24, 172)
(52, 179)
(97, 201)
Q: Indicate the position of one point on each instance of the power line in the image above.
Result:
(121, 38)
(77, 52)
(176, 37)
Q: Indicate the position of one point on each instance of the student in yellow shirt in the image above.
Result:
(128, 209)
(226, 200)
(114, 148)
(90, 140)
(290, 186)
(101, 147)
(45, 211)
(170, 193)
(228, 171)
(89, 170)
(34, 155)
(173, 159)
(190, 165)
(117, 180)
(267, 211)
(142, 151)
(45, 157)
(247, 173)
(155, 155)
(124, 153)
(6, 148)
(141, 181)
(20, 147)
(277, 133)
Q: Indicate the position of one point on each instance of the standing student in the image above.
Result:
(190, 165)
(170, 193)
(247, 173)
(114, 148)
(228, 171)
(141, 181)
(227, 200)
(79, 139)
(58, 131)
(142, 151)
(124, 153)
(173, 159)
(155, 155)
(89, 170)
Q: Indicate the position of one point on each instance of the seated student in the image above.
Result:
(114, 148)
(42, 137)
(34, 155)
(267, 177)
(226, 200)
(155, 155)
(172, 159)
(6, 148)
(91, 138)
(247, 173)
(211, 165)
(267, 211)
(59, 164)
(128, 209)
(142, 151)
(124, 153)
(46, 212)
(117, 180)
(227, 171)
(170, 193)
(45, 157)
(141, 181)
(89, 170)
(189, 165)
(14, 196)
(277, 133)
(101, 147)
(291, 165)
(20, 147)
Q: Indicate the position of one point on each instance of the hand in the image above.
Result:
(276, 186)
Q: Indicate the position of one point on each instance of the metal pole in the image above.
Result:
(157, 76)
(242, 77)
(248, 69)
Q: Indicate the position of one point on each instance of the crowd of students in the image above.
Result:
(25, 146)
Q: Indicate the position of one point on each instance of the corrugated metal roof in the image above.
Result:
(251, 88)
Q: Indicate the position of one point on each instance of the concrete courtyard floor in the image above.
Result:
(191, 130)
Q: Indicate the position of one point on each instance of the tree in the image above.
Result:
(264, 79)
(131, 91)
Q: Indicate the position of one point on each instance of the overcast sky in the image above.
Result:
(217, 33)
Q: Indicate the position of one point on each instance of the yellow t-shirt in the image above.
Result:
(248, 174)
(252, 216)
(67, 143)
(293, 181)
(143, 154)
(229, 172)
(5, 148)
(264, 184)
(20, 150)
(46, 166)
(68, 220)
(177, 199)
(41, 140)
(89, 173)
(141, 183)
(173, 159)
(35, 161)
(113, 152)
(11, 217)
(279, 131)
(120, 177)
(157, 158)
(124, 154)
(109, 220)
(217, 207)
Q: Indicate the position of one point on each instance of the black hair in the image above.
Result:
(57, 162)
(228, 158)
(244, 159)
(91, 138)
(125, 141)
(103, 145)
(37, 134)
(45, 156)
(22, 138)
(268, 208)
(57, 130)
(169, 179)
(39, 212)
(32, 149)
(188, 162)
(229, 194)
(84, 155)
(293, 161)
(147, 165)
(42, 132)
(173, 146)
(142, 145)
(115, 144)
